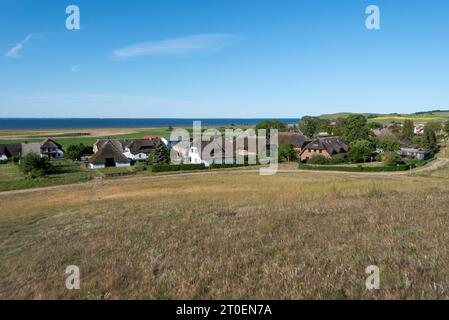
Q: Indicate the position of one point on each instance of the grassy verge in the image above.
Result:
(358, 168)
(66, 172)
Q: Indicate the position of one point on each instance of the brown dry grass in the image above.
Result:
(230, 235)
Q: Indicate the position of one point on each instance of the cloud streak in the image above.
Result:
(188, 44)
(14, 52)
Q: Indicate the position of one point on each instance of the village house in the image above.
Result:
(10, 150)
(108, 153)
(140, 149)
(223, 150)
(415, 154)
(327, 147)
(297, 140)
(47, 148)
(51, 149)
(419, 129)
(217, 152)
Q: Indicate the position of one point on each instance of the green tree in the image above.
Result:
(311, 126)
(355, 128)
(375, 125)
(76, 151)
(429, 139)
(287, 152)
(360, 151)
(408, 129)
(35, 166)
(160, 155)
(389, 143)
(393, 158)
(275, 124)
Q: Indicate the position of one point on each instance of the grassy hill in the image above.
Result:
(426, 116)
(230, 236)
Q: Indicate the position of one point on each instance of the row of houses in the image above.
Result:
(115, 153)
(48, 148)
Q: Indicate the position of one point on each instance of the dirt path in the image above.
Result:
(434, 165)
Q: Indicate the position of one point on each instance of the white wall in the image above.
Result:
(3, 157)
(96, 166)
(122, 164)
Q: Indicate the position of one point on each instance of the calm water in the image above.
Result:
(16, 124)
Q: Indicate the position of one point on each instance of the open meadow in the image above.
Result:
(230, 235)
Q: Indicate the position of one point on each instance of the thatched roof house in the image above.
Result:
(109, 154)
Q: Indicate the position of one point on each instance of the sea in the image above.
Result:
(92, 123)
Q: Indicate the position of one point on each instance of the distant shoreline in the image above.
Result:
(97, 123)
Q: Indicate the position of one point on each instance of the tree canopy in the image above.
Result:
(35, 166)
(311, 126)
(355, 128)
(360, 151)
(408, 129)
(429, 139)
(287, 152)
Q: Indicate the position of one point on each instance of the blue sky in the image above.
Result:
(222, 58)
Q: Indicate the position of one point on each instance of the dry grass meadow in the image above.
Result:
(230, 235)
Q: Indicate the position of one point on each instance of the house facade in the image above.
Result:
(109, 153)
(51, 149)
(47, 148)
(415, 154)
(214, 150)
(140, 149)
(327, 147)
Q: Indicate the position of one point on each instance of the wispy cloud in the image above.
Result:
(14, 52)
(193, 43)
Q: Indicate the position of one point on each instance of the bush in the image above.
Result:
(360, 151)
(389, 144)
(318, 160)
(287, 152)
(338, 159)
(76, 151)
(176, 167)
(36, 166)
(393, 159)
(3, 161)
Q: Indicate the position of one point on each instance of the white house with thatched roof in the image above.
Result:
(108, 153)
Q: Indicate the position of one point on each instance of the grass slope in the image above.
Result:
(231, 235)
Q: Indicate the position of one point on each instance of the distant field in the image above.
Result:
(228, 236)
(86, 136)
(414, 118)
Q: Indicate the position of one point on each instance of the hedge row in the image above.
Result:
(176, 167)
(403, 167)
(229, 165)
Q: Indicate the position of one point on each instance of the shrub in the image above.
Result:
(76, 151)
(318, 160)
(393, 159)
(287, 152)
(360, 151)
(389, 144)
(338, 159)
(36, 166)
(176, 167)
